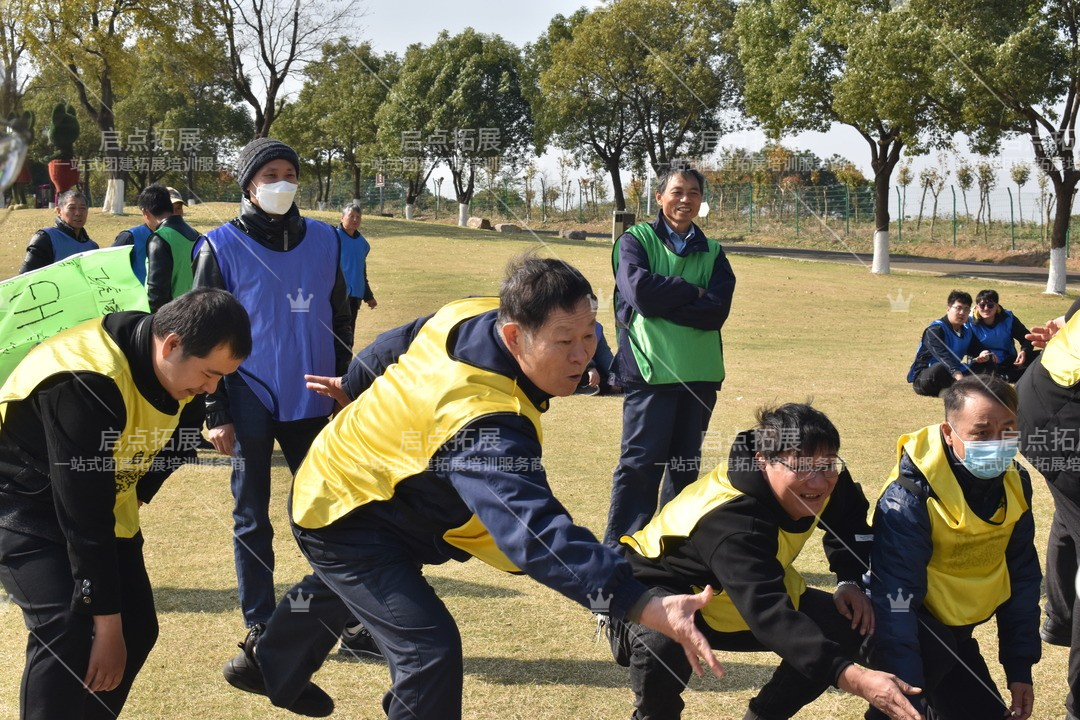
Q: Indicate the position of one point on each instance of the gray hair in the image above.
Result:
(350, 206)
(72, 194)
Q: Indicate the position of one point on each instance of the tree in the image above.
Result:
(93, 42)
(342, 95)
(13, 57)
(986, 176)
(812, 63)
(1020, 174)
(1016, 65)
(462, 101)
(904, 177)
(965, 178)
(272, 38)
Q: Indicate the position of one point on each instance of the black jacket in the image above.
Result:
(40, 251)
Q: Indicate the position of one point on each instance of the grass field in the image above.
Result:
(797, 331)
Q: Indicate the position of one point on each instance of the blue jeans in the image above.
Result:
(384, 587)
(662, 430)
(253, 534)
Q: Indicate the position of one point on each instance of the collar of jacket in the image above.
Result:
(277, 233)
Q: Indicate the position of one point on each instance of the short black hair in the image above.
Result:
(155, 199)
(990, 295)
(990, 387)
(679, 168)
(205, 318)
(535, 287)
(797, 427)
(961, 296)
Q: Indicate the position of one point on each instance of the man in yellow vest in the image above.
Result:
(673, 289)
(740, 530)
(438, 458)
(953, 547)
(1049, 395)
(92, 421)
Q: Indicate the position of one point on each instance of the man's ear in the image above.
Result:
(514, 337)
(947, 431)
(171, 344)
(760, 461)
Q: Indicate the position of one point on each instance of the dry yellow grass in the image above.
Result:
(797, 330)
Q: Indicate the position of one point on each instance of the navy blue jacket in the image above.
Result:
(503, 483)
(673, 298)
(901, 552)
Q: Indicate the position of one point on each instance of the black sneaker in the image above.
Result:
(243, 673)
(356, 642)
(1054, 633)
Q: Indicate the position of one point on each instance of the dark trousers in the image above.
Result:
(1062, 610)
(936, 378)
(957, 684)
(382, 586)
(253, 534)
(36, 574)
(662, 430)
(354, 310)
(659, 669)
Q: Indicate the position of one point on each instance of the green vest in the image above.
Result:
(182, 275)
(667, 352)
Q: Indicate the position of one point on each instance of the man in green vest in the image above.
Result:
(673, 289)
(168, 249)
(92, 422)
(740, 530)
(953, 547)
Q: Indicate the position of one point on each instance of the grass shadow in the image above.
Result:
(598, 673)
(452, 587)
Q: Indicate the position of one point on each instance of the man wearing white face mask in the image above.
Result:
(284, 270)
(953, 546)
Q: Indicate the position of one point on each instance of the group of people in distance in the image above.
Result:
(977, 338)
(435, 455)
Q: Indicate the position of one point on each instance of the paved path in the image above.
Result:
(937, 266)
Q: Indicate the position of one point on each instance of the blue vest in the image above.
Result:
(354, 252)
(64, 246)
(997, 338)
(287, 295)
(958, 346)
(140, 236)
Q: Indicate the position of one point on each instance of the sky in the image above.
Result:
(392, 25)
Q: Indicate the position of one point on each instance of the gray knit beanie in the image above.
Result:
(257, 153)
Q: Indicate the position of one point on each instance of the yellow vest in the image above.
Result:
(1061, 356)
(88, 348)
(678, 519)
(391, 432)
(967, 578)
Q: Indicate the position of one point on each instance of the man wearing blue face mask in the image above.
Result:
(284, 270)
(953, 546)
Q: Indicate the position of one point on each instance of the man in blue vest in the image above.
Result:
(354, 252)
(940, 358)
(67, 237)
(139, 235)
(673, 289)
(953, 547)
(284, 270)
(437, 457)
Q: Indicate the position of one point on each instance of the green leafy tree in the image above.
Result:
(1017, 66)
(812, 63)
(965, 178)
(1020, 174)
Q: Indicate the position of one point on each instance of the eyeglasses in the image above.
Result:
(808, 467)
(986, 305)
(961, 309)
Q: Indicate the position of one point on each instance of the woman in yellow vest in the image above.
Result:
(740, 530)
(1049, 394)
(92, 421)
(953, 547)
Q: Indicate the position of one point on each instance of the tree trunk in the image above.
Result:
(922, 204)
(409, 210)
(883, 165)
(933, 218)
(1019, 207)
(1065, 189)
(463, 214)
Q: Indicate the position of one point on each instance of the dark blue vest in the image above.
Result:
(287, 296)
(997, 338)
(140, 236)
(958, 346)
(64, 246)
(354, 252)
